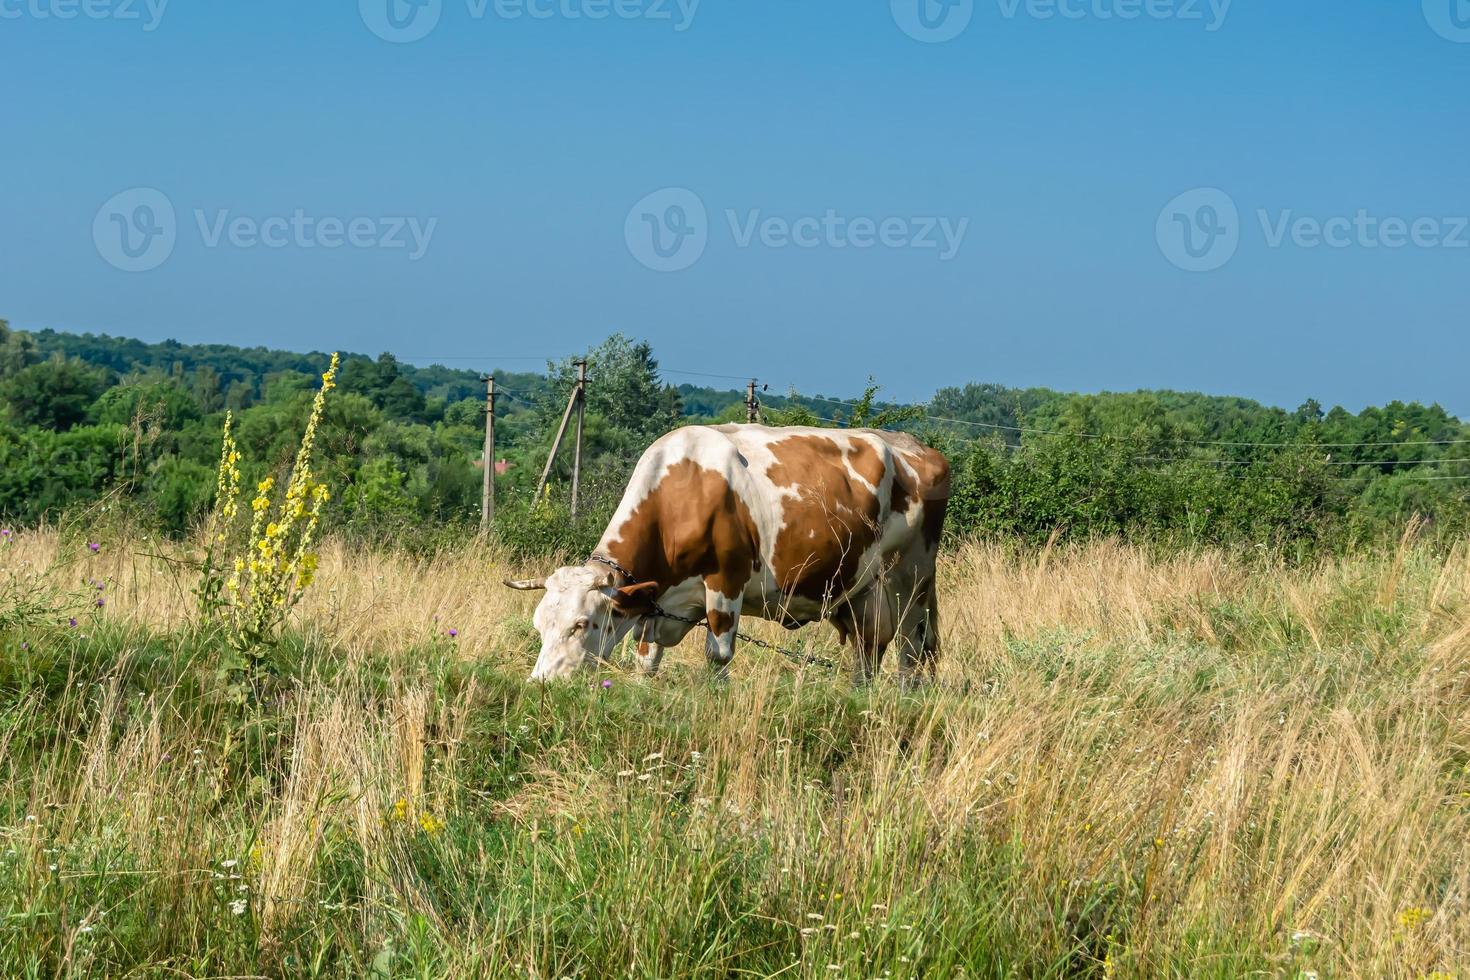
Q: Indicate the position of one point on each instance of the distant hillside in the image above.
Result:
(86, 415)
(252, 366)
(976, 409)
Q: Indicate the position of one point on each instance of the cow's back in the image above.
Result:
(801, 517)
(833, 505)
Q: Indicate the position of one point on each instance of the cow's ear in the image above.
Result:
(633, 600)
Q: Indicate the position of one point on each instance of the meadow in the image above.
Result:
(1135, 763)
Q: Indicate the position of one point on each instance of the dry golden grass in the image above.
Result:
(1134, 764)
(375, 600)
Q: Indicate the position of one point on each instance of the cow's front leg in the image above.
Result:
(650, 650)
(723, 615)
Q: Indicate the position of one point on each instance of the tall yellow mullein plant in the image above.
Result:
(277, 563)
(221, 519)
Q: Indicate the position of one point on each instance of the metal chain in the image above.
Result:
(614, 566)
(800, 658)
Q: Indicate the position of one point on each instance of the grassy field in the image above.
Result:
(1134, 765)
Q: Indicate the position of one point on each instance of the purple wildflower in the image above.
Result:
(453, 633)
(93, 547)
(101, 602)
(72, 622)
(607, 684)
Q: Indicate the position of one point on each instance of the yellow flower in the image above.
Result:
(431, 824)
(400, 809)
(280, 564)
(1414, 917)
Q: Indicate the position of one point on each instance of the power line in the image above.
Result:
(1412, 478)
(1328, 462)
(705, 374)
(474, 357)
(1000, 427)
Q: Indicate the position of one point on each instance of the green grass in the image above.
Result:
(1243, 791)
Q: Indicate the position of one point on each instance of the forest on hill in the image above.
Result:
(89, 417)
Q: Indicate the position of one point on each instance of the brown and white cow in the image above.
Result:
(788, 524)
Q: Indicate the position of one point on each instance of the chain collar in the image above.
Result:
(614, 566)
(801, 658)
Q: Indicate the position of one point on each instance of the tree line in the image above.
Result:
(86, 418)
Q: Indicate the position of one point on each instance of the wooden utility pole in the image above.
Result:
(487, 494)
(752, 407)
(561, 432)
(581, 397)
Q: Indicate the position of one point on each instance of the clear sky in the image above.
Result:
(971, 190)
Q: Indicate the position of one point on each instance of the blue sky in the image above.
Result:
(1055, 150)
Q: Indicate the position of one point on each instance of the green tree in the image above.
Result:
(866, 414)
(55, 394)
(207, 391)
(624, 389)
(17, 350)
(164, 403)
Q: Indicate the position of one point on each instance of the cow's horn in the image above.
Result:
(526, 584)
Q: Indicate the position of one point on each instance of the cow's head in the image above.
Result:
(582, 617)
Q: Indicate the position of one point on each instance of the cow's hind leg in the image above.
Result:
(869, 621)
(723, 615)
(931, 630)
(919, 635)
